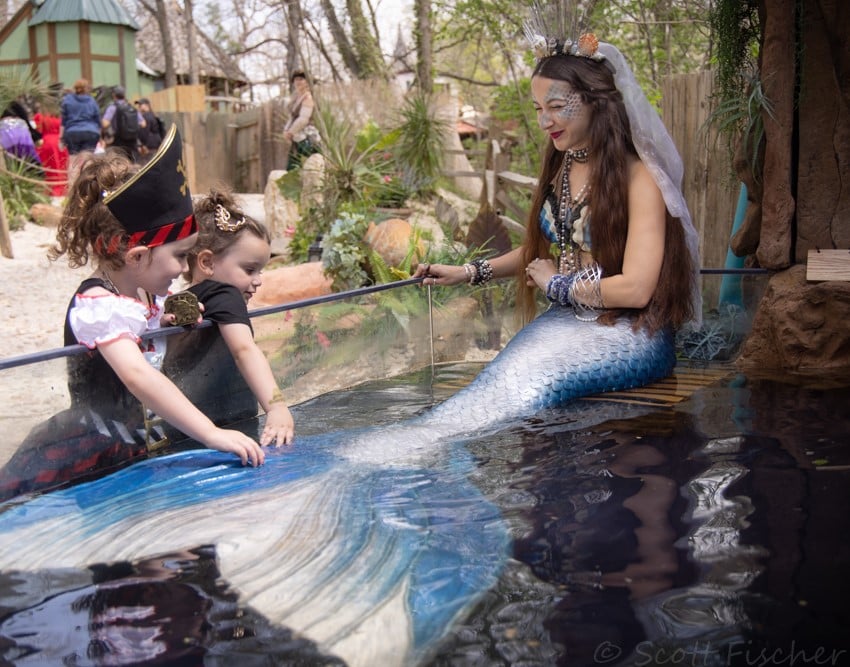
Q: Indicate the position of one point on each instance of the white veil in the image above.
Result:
(657, 151)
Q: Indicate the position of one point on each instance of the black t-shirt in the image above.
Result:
(199, 361)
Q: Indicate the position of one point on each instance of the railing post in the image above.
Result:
(5, 237)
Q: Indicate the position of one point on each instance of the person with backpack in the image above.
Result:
(121, 123)
(150, 135)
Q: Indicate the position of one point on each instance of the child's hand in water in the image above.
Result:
(280, 426)
(224, 440)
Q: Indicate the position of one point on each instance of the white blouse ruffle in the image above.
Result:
(101, 319)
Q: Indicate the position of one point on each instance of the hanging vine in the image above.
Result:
(739, 98)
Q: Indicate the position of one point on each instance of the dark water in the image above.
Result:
(715, 532)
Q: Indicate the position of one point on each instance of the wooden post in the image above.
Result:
(5, 237)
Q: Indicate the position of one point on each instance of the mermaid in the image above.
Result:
(353, 539)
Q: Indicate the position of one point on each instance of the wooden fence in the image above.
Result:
(238, 149)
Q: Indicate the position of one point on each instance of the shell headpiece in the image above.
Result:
(557, 28)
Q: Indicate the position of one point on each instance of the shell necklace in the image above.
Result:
(570, 260)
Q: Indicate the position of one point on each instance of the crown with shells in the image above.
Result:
(551, 28)
(586, 46)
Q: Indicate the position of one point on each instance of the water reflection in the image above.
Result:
(712, 533)
(672, 537)
(170, 610)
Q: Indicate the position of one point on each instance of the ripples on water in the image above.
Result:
(712, 533)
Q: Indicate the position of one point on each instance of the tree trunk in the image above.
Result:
(365, 43)
(343, 45)
(424, 42)
(294, 21)
(167, 46)
(190, 42)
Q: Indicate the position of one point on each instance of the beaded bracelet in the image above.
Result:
(483, 272)
(558, 288)
(470, 272)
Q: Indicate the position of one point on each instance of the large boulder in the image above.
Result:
(280, 212)
(800, 326)
(391, 240)
(312, 182)
(292, 283)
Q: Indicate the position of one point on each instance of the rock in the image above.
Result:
(252, 205)
(391, 240)
(280, 212)
(45, 215)
(291, 283)
(800, 326)
(312, 181)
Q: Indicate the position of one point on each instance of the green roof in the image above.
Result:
(93, 11)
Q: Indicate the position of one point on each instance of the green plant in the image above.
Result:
(421, 136)
(740, 99)
(742, 119)
(344, 252)
(19, 84)
(510, 109)
(355, 163)
(20, 191)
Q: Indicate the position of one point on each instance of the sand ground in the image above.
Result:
(34, 293)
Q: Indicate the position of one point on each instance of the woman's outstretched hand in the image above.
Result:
(441, 274)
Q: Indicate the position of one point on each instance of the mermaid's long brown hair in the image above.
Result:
(612, 150)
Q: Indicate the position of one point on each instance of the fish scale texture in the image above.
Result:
(554, 360)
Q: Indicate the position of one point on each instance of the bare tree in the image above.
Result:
(424, 42)
(161, 16)
(191, 42)
(343, 44)
(370, 61)
(294, 24)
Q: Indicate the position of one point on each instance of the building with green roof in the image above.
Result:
(60, 41)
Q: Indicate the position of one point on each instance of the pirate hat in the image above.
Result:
(155, 205)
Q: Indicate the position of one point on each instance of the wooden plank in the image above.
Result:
(518, 180)
(828, 265)
(5, 236)
(667, 392)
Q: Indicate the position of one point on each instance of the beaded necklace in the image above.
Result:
(110, 286)
(570, 260)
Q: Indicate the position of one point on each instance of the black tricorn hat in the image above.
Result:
(155, 205)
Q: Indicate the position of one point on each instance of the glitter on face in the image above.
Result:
(561, 103)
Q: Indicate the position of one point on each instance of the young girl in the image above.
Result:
(139, 227)
(225, 269)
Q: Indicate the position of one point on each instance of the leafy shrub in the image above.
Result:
(344, 252)
(19, 194)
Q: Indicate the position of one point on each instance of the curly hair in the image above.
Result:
(87, 227)
(214, 238)
(611, 144)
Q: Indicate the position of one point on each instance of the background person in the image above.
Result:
(16, 138)
(80, 127)
(122, 123)
(53, 155)
(303, 136)
(150, 134)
